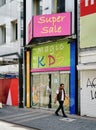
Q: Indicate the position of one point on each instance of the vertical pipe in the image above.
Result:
(24, 53)
(20, 83)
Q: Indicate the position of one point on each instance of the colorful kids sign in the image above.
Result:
(51, 55)
(52, 25)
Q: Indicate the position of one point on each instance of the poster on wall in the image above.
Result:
(51, 55)
(87, 23)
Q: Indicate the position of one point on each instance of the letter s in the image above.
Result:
(41, 20)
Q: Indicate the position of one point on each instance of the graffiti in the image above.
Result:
(93, 95)
(92, 85)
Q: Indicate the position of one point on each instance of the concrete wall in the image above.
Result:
(10, 12)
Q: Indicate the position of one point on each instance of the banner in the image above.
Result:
(52, 25)
(50, 55)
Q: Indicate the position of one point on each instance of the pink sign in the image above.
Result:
(52, 25)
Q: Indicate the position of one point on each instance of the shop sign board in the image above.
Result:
(52, 25)
(51, 55)
(87, 23)
(87, 7)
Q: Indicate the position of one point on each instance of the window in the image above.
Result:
(2, 34)
(21, 33)
(21, 14)
(60, 6)
(48, 6)
(14, 34)
(37, 7)
(2, 2)
(42, 7)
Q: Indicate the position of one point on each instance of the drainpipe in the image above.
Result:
(24, 51)
(21, 80)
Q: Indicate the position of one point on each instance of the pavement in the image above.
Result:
(11, 126)
(45, 119)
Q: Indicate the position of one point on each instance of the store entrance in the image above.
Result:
(44, 86)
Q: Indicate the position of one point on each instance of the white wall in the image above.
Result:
(88, 93)
(87, 57)
(29, 14)
(9, 69)
(70, 8)
(10, 12)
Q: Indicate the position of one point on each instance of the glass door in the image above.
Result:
(44, 88)
(64, 78)
(35, 90)
(56, 79)
(44, 84)
(54, 86)
(40, 85)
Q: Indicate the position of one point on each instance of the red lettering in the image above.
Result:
(51, 60)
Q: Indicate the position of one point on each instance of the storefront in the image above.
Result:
(51, 64)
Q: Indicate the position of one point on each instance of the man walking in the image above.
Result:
(60, 97)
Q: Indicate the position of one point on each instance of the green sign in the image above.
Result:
(50, 55)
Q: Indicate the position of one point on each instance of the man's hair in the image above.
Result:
(61, 84)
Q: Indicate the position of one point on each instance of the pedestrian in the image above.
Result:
(60, 97)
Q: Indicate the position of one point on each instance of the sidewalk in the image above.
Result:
(39, 119)
(11, 126)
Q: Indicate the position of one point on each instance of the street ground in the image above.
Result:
(11, 126)
(43, 119)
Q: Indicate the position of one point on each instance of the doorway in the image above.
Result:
(44, 86)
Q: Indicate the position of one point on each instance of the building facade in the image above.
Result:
(50, 52)
(11, 38)
(60, 47)
(87, 61)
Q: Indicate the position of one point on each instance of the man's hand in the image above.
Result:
(55, 102)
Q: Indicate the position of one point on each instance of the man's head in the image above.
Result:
(62, 85)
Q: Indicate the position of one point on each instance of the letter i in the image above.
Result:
(92, 2)
(86, 2)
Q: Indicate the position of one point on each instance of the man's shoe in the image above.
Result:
(56, 114)
(65, 116)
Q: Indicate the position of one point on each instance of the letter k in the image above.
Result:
(40, 61)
